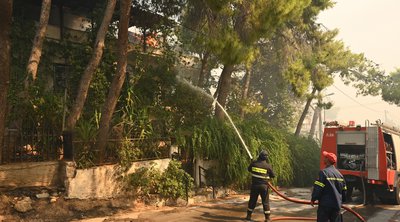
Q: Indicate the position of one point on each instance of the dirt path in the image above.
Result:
(233, 208)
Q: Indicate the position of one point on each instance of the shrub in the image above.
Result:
(85, 134)
(175, 182)
(127, 153)
(215, 140)
(305, 160)
(144, 181)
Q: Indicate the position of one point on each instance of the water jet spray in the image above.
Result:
(198, 89)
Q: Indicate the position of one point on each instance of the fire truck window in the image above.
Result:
(390, 155)
(351, 157)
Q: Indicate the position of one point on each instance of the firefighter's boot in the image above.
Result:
(267, 217)
(248, 217)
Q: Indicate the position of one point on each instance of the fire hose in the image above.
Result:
(306, 202)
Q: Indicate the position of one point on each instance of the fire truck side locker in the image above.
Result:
(372, 153)
(350, 146)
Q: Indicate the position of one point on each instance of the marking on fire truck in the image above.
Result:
(330, 135)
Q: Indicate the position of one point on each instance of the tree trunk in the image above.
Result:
(144, 33)
(223, 90)
(91, 67)
(118, 80)
(304, 114)
(203, 69)
(36, 52)
(317, 111)
(245, 91)
(5, 57)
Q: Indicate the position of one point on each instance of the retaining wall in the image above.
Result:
(103, 181)
(30, 174)
(99, 182)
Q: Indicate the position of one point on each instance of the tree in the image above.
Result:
(391, 88)
(329, 57)
(193, 41)
(118, 80)
(91, 67)
(368, 78)
(233, 28)
(280, 74)
(36, 52)
(155, 16)
(270, 88)
(305, 111)
(5, 57)
(245, 91)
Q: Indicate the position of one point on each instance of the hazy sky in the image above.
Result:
(371, 27)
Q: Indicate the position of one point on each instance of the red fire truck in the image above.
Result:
(368, 157)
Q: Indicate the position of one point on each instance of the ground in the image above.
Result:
(57, 208)
(229, 208)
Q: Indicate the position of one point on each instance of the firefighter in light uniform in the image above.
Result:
(261, 172)
(330, 191)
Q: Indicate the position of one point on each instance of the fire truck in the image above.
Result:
(367, 156)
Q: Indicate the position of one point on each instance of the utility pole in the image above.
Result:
(386, 120)
(322, 123)
(321, 126)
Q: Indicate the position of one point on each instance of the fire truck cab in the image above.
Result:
(368, 157)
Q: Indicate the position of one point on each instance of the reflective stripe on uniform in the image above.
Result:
(251, 210)
(260, 176)
(334, 178)
(259, 170)
(267, 212)
(345, 188)
(319, 184)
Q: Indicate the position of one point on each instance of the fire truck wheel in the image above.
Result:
(397, 192)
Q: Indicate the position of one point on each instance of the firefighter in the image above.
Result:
(261, 172)
(330, 191)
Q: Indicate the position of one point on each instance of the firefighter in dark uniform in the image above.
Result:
(261, 172)
(329, 190)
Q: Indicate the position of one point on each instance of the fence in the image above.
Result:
(132, 148)
(31, 145)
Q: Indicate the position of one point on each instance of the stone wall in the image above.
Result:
(103, 181)
(30, 174)
(161, 164)
(97, 182)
